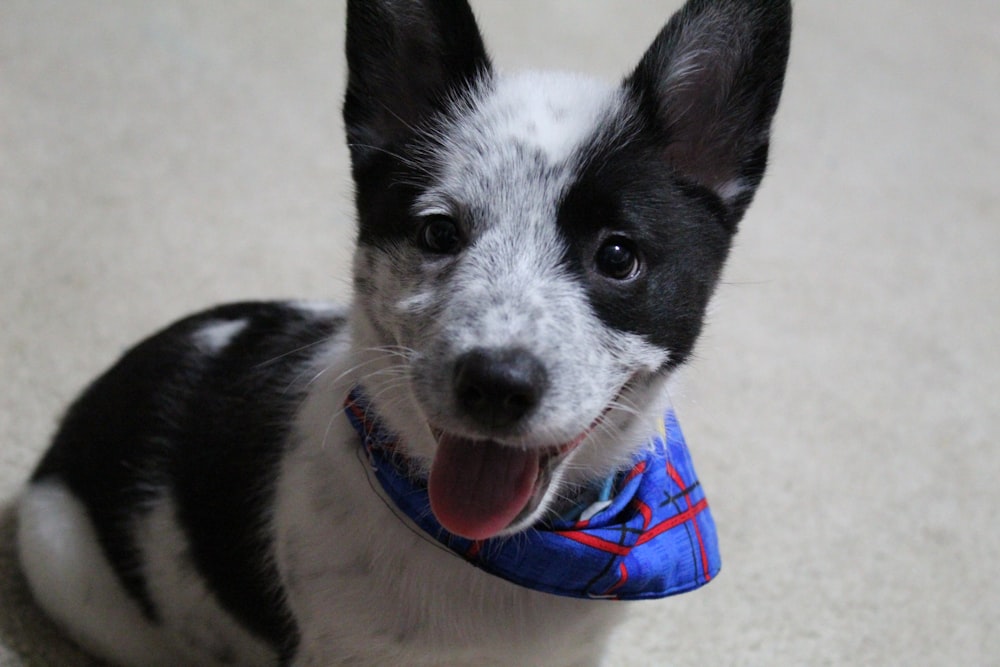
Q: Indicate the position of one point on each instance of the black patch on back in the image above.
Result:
(207, 429)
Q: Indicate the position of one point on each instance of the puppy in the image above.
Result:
(457, 467)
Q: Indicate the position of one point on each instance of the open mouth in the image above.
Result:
(478, 488)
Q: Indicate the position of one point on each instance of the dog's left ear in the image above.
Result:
(406, 59)
(708, 88)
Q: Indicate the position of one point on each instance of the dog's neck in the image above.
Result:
(651, 536)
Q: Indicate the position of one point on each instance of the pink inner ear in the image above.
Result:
(703, 145)
(715, 74)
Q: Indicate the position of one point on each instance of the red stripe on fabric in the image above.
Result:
(672, 522)
(367, 424)
(697, 530)
(623, 550)
(646, 512)
(676, 476)
(596, 542)
(636, 470)
(360, 415)
(622, 580)
(704, 552)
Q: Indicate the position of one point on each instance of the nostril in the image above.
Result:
(521, 401)
(469, 395)
(498, 387)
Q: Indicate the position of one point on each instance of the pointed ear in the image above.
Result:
(404, 58)
(709, 86)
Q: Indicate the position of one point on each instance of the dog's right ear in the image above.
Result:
(710, 85)
(405, 58)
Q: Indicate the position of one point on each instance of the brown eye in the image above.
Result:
(440, 235)
(617, 258)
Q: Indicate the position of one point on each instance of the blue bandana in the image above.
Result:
(648, 533)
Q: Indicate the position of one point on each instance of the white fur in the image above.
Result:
(214, 337)
(191, 620)
(551, 111)
(72, 580)
(319, 307)
(338, 543)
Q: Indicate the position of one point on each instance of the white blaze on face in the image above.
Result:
(551, 111)
(501, 167)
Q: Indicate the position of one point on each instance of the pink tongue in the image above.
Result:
(478, 488)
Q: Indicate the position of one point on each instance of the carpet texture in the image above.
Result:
(156, 158)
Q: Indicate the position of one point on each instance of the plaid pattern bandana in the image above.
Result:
(648, 533)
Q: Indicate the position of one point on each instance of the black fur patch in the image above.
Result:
(679, 230)
(678, 178)
(385, 198)
(207, 430)
(405, 65)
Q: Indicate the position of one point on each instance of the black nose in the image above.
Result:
(497, 387)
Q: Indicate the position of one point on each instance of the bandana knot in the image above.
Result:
(646, 533)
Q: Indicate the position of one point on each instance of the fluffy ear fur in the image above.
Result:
(405, 57)
(709, 86)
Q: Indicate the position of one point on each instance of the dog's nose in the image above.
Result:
(500, 386)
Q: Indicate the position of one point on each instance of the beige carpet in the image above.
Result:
(157, 157)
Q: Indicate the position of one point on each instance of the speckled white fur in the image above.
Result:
(508, 292)
(508, 158)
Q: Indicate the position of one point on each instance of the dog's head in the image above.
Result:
(536, 252)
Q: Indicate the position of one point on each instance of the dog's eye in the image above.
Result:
(440, 234)
(617, 258)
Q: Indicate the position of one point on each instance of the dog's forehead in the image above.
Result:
(518, 143)
(551, 112)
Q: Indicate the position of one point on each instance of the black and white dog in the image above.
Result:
(535, 254)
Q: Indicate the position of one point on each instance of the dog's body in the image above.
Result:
(535, 256)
